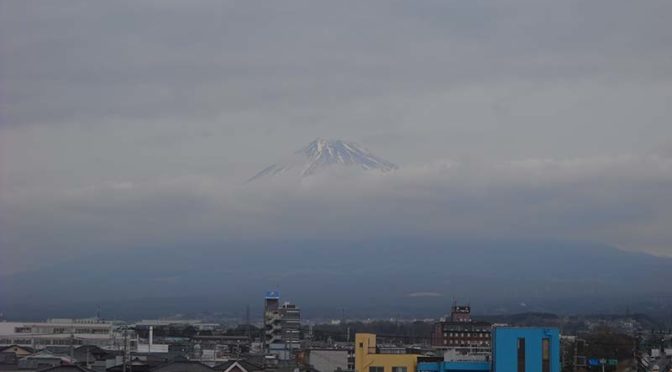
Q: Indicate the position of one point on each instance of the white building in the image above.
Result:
(62, 332)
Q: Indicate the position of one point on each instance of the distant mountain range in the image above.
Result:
(325, 154)
(384, 277)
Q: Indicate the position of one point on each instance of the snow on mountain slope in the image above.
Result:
(323, 154)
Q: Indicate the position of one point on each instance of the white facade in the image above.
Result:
(60, 332)
(153, 348)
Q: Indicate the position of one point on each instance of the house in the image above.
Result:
(19, 351)
(44, 360)
(136, 365)
(238, 366)
(67, 368)
(91, 353)
(182, 366)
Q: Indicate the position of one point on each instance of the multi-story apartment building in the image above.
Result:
(461, 337)
(281, 326)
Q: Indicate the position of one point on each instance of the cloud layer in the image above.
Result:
(127, 124)
(623, 201)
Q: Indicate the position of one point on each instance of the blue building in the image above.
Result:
(526, 349)
(458, 366)
(514, 349)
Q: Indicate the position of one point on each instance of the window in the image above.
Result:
(376, 369)
(398, 369)
(545, 355)
(521, 355)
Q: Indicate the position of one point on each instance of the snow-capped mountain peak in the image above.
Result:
(322, 154)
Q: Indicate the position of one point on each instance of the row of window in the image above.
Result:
(61, 330)
(41, 341)
(466, 334)
(382, 369)
(466, 329)
(462, 343)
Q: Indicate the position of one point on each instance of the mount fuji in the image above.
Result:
(323, 154)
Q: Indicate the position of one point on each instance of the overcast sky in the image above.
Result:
(131, 123)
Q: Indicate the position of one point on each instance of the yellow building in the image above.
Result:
(369, 359)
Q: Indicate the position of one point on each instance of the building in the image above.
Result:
(272, 320)
(328, 360)
(65, 332)
(514, 349)
(179, 323)
(290, 322)
(182, 366)
(370, 358)
(238, 366)
(455, 366)
(282, 327)
(67, 368)
(44, 359)
(461, 337)
(18, 351)
(526, 349)
(93, 357)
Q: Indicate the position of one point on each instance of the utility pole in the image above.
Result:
(72, 345)
(247, 322)
(124, 355)
(576, 358)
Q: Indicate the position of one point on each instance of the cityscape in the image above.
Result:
(335, 186)
(283, 341)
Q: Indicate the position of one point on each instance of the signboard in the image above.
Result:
(594, 362)
(273, 295)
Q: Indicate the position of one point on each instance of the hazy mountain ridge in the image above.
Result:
(494, 276)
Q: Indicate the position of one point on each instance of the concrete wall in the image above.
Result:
(328, 360)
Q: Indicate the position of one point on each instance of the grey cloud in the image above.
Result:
(127, 123)
(151, 60)
(623, 201)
